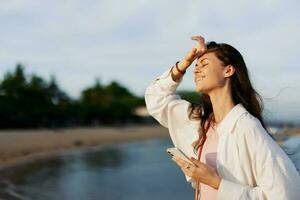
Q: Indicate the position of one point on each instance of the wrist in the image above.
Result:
(183, 64)
(182, 72)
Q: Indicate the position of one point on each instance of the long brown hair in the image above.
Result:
(242, 90)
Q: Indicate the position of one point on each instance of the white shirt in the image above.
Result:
(251, 164)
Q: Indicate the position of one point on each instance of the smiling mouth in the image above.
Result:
(201, 78)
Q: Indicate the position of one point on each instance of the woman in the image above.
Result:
(233, 156)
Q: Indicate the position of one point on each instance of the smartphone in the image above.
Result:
(177, 152)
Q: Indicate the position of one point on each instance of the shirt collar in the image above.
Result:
(227, 124)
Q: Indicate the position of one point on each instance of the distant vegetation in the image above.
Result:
(29, 101)
(190, 96)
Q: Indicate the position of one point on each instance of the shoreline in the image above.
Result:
(20, 147)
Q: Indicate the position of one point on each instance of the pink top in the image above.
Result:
(209, 156)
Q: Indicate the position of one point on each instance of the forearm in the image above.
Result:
(161, 99)
(182, 65)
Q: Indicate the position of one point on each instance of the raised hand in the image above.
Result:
(194, 53)
(190, 57)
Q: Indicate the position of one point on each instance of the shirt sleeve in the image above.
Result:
(170, 110)
(276, 176)
(163, 104)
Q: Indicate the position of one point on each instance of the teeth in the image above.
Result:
(200, 78)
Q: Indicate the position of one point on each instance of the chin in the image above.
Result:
(202, 90)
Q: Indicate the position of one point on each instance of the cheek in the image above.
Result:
(219, 81)
(216, 79)
(216, 75)
(211, 79)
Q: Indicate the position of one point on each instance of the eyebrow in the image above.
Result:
(204, 59)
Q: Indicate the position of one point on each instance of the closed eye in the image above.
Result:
(202, 65)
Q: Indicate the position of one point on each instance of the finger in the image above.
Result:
(201, 47)
(183, 164)
(187, 172)
(196, 37)
(179, 161)
(185, 168)
(190, 56)
(200, 40)
(193, 51)
(195, 161)
(176, 160)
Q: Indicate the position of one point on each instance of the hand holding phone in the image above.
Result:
(174, 151)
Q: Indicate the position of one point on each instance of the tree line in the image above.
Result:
(29, 101)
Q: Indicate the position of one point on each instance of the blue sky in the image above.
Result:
(135, 40)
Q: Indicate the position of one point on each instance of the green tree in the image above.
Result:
(108, 104)
(191, 96)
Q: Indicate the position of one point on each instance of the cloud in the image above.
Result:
(134, 41)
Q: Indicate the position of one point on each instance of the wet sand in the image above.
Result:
(22, 146)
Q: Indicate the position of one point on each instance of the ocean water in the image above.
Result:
(291, 146)
(132, 171)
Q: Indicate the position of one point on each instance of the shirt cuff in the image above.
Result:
(166, 82)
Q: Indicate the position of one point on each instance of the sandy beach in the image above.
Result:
(21, 146)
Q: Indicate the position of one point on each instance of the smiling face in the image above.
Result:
(210, 73)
